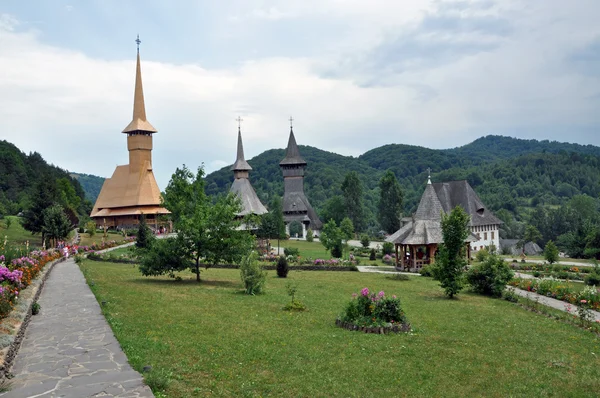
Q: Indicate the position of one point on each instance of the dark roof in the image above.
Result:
(250, 202)
(510, 245)
(460, 193)
(422, 232)
(430, 207)
(292, 154)
(240, 162)
(296, 206)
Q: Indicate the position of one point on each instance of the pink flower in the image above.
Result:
(583, 301)
(354, 294)
(365, 291)
(381, 294)
(394, 296)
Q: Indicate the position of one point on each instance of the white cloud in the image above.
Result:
(447, 72)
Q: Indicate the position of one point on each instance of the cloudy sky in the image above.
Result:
(354, 74)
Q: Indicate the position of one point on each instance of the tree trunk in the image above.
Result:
(198, 270)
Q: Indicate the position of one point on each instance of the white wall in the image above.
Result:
(488, 234)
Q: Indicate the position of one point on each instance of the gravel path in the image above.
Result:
(69, 349)
(553, 303)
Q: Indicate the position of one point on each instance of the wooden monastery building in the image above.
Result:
(132, 189)
(296, 206)
(417, 241)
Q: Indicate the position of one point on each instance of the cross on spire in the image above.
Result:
(291, 122)
(138, 41)
(239, 120)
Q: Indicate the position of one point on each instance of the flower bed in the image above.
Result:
(560, 291)
(374, 313)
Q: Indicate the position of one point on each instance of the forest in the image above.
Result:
(542, 184)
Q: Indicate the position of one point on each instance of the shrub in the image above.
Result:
(310, 236)
(510, 295)
(282, 267)
(388, 248)
(252, 274)
(592, 279)
(482, 255)
(364, 240)
(490, 277)
(372, 256)
(90, 226)
(337, 251)
(291, 251)
(144, 235)
(35, 308)
(428, 270)
(370, 309)
(294, 305)
(387, 259)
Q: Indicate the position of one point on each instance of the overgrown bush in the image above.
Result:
(291, 251)
(490, 277)
(364, 240)
(593, 279)
(428, 270)
(482, 255)
(252, 274)
(370, 309)
(282, 267)
(388, 248)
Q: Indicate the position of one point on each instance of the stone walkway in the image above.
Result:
(553, 303)
(69, 349)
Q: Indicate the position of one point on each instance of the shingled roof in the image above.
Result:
(139, 121)
(460, 193)
(251, 204)
(240, 162)
(292, 154)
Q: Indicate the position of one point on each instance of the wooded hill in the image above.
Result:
(23, 177)
(508, 173)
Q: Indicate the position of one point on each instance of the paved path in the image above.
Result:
(69, 350)
(383, 270)
(560, 262)
(554, 303)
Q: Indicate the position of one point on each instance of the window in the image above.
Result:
(493, 235)
(485, 236)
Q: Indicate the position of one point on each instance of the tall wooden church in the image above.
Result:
(296, 206)
(241, 186)
(132, 189)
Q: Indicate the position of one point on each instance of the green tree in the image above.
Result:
(347, 229)
(334, 209)
(56, 224)
(44, 196)
(310, 236)
(451, 259)
(331, 238)
(353, 200)
(205, 231)
(389, 209)
(551, 252)
(531, 234)
(90, 226)
(145, 237)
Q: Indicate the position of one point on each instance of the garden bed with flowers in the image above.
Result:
(557, 289)
(369, 312)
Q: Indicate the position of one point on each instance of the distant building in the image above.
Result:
(510, 246)
(132, 189)
(296, 206)
(418, 239)
(241, 186)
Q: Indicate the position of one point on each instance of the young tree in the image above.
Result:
(551, 252)
(56, 224)
(389, 209)
(347, 229)
(331, 238)
(451, 259)
(353, 200)
(205, 231)
(531, 235)
(145, 237)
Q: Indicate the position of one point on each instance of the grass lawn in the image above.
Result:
(16, 234)
(209, 339)
(313, 250)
